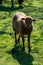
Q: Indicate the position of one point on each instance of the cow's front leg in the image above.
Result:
(29, 48)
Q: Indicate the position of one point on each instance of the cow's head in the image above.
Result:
(28, 21)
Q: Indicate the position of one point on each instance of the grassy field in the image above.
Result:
(33, 8)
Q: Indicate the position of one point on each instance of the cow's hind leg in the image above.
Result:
(23, 42)
(14, 49)
(18, 38)
(15, 39)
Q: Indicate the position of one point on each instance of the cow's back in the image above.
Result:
(16, 19)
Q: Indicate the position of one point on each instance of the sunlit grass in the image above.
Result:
(33, 8)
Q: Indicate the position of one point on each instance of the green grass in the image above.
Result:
(32, 8)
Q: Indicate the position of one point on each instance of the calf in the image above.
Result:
(22, 25)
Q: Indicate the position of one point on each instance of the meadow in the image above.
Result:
(32, 8)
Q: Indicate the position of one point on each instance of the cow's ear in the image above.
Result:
(33, 19)
(23, 18)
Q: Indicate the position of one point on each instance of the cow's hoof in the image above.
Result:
(13, 50)
(29, 50)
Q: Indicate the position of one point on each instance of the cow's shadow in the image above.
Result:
(22, 57)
